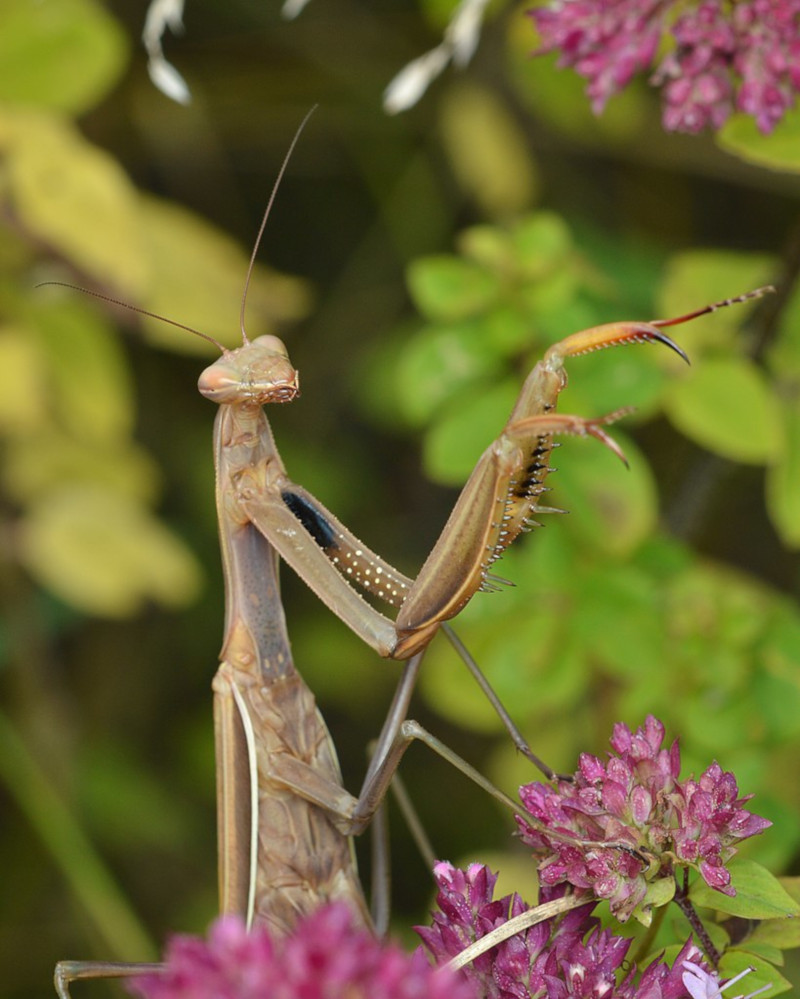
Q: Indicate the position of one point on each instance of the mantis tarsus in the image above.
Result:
(284, 817)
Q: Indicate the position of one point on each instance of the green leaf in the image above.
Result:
(550, 301)
(75, 197)
(507, 329)
(515, 670)
(700, 277)
(611, 506)
(778, 698)
(542, 245)
(659, 892)
(472, 422)
(783, 478)
(438, 363)
(783, 353)
(715, 720)
(759, 894)
(449, 288)
(726, 406)
(620, 623)
(781, 933)
(780, 150)
(488, 246)
(602, 382)
(735, 960)
(103, 553)
(63, 54)
(198, 275)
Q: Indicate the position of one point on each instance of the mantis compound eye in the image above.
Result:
(259, 373)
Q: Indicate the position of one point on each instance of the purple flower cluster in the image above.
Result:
(616, 827)
(558, 958)
(721, 55)
(327, 957)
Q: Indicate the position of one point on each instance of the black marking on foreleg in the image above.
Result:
(313, 521)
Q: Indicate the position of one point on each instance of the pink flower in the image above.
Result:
(327, 957)
(564, 957)
(720, 56)
(605, 42)
(631, 821)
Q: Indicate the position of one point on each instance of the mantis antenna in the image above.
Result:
(173, 322)
(267, 210)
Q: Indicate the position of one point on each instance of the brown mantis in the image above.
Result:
(284, 818)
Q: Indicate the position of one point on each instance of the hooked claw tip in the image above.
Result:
(669, 342)
(609, 442)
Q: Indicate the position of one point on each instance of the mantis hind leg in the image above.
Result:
(75, 971)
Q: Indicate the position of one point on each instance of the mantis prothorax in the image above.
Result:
(284, 817)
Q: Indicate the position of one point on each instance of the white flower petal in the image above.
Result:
(464, 31)
(414, 79)
(168, 80)
(161, 14)
(292, 8)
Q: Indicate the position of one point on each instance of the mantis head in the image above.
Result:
(258, 372)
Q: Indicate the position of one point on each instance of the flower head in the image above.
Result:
(564, 957)
(720, 56)
(617, 826)
(327, 957)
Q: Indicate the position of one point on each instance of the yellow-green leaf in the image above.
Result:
(488, 153)
(727, 406)
(91, 396)
(61, 54)
(36, 463)
(780, 150)
(198, 279)
(23, 403)
(75, 197)
(103, 553)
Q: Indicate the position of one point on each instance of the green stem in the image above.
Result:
(70, 847)
(645, 945)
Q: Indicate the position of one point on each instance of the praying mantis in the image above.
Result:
(284, 818)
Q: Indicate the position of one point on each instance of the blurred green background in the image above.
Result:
(422, 264)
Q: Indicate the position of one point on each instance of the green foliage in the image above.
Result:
(778, 151)
(727, 406)
(64, 56)
(603, 603)
(84, 536)
(759, 895)
(618, 609)
(86, 530)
